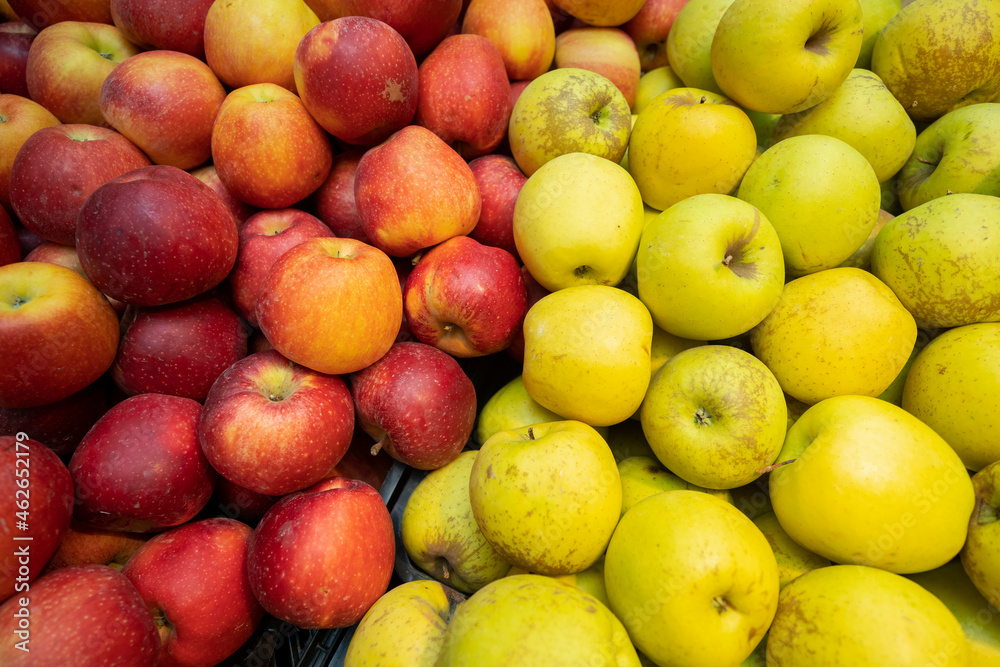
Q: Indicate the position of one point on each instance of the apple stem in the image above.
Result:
(377, 447)
(721, 604)
(923, 161)
(727, 260)
(531, 433)
(763, 471)
(703, 99)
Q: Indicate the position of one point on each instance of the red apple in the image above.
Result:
(331, 304)
(60, 425)
(417, 403)
(500, 181)
(275, 427)
(36, 504)
(140, 468)
(80, 615)
(264, 238)
(19, 118)
(67, 65)
(464, 95)
(42, 13)
(179, 349)
(649, 29)
(83, 545)
(10, 247)
(414, 191)
(358, 78)
(240, 503)
(156, 235)
(423, 24)
(56, 253)
(522, 31)
(339, 563)
(334, 202)
(608, 51)
(258, 342)
(210, 177)
(176, 25)
(358, 463)
(267, 149)
(15, 41)
(56, 170)
(139, 99)
(194, 580)
(58, 334)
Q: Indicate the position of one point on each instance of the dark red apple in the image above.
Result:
(41, 13)
(500, 181)
(174, 25)
(61, 425)
(27, 240)
(423, 24)
(535, 292)
(334, 202)
(15, 40)
(238, 502)
(10, 246)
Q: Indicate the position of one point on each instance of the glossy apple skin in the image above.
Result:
(15, 41)
(10, 247)
(85, 614)
(82, 545)
(417, 403)
(210, 177)
(194, 578)
(138, 449)
(60, 425)
(275, 427)
(36, 484)
(499, 180)
(358, 78)
(156, 235)
(608, 51)
(56, 170)
(173, 25)
(179, 349)
(39, 14)
(334, 201)
(338, 565)
(22, 117)
(422, 24)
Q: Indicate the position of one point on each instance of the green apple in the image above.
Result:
(689, 42)
(978, 618)
(652, 84)
(590, 581)
(863, 114)
(954, 387)
(894, 392)
(763, 125)
(586, 353)
(875, 13)
(577, 221)
(863, 617)
(440, 534)
(835, 332)
(689, 141)
(981, 553)
(956, 279)
(866, 482)
(664, 346)
(715, 416)
(510, 407)
(796, 409)
(793, 559)
(692, 579)
(533, 621)
(568, 110)
(862, 257)
(780, 57)
(821, 195)
(709, 267)
(918, 53)
(644, 476)
(547, 497)
(959, 152)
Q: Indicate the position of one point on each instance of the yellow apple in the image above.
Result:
(689, 42)
(875, 13)
(590, 581)
(522, 31)
(981, 553)
(510, 407)
(644, 476)
(793, 559)
(862, 257)
(652, 84)
(608, 51)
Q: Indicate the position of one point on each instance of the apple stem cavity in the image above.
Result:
(985, 513)
(764, 471)
(18, 302)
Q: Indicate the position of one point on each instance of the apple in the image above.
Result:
(423, 25)
(651, 85)
(27, 240)
(417, 403)
(709, 267)
(414, 191)
(15, 42)
(55, 253)
(339, 563)
(511, 407)
(20, 117)
(522, 31)
(793, 560)
(59, 334)
(264, 237)
(174, 25)
(195, 582)
(334, 203)
(83, 545)
(649, 29)
(40, 14)
(210, 177)
(609, 52)
(333, 305)
(156, 235)
(761, 61)
(644, 476)
(10, 247)
(254, 41)
(499, 181)
(358, 463)
(266, 408)
(689, 42)
(535, 292)
(875, 14)
(358, 78)
(601, 12)
(59, 425)
(139, 448)
(137, 99)
(979, 554)
(465, 298)
(238, 502)
(59, 167)
(84, 613)
(36, 510)
(67, 65)
(568, 110)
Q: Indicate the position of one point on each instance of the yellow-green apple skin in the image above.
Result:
(590, 581)
(652, 84)
(664, 346)
(522, 31)
(689, 42)
(608, 51)
(577, 221)
(709, 267)
(793, 559)
(954, 387)
(715, 416)
(510, 407)
(692, 579)
(763, 125)
(959, 152)
(862, 257)
(821, 196)
(440, 534)
(586, 353)
(979, 620)
(534, 621)
(863, 617)
(868, 483)
(862, 113)
(689, 141)
(942, 259)
(644, 476)
(568, 110)
(835, 332)
(777, 57)
(547, 497)
(894, 392)
(981, 553)
(404, 628)
(938, 56)
(875, 14)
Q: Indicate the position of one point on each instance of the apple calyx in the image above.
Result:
(985, 513)
(18, 302)
(702, 417)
